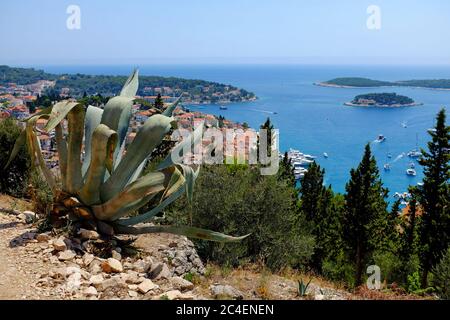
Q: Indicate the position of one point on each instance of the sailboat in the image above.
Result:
(415, 153)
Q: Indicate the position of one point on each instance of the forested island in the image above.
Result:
(356, 82)
(77, 85)
(382, 100)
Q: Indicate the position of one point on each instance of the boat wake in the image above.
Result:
(263, 111)
(400, 156)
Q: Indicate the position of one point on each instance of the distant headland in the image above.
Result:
(356, 82)
(383, 100)
(77, 85)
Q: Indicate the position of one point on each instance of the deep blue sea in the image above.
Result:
(314, 119)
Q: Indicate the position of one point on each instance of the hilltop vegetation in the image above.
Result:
(79, 84)
(382, 99)
(358, 82)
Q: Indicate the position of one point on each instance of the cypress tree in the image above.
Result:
(311, 191)
(434, 197)
(365, 208)
(159, 102)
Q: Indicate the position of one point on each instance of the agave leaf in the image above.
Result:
(138, 171)
(190, 232)
(168, 112)
(104, 142)
(191, 175)
(59, 111)
(20, 141)
(62, 152)
(91, 121)
(75, 119)
(147, 185)
(34, 148)
(147, 138)
(193, 139)
(173, 191)
(131, 85)
(116, 116)
(43, 111)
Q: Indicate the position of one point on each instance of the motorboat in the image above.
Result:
(387, 167)
(411, 172)
(223, 108)
(414, 153)
(325, 155)
(389, 155)
(412, 165)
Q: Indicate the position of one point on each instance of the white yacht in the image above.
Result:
(411, 172)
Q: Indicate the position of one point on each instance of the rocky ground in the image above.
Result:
(36, 265)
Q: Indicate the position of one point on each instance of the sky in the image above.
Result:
(225, 31)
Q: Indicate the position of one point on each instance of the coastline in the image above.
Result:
(415, 104)
(331, 85)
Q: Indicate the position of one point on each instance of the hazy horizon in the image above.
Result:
(226, 32)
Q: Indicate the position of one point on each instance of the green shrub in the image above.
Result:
(413, 282)
(441, 276)
(237, 199)
(13, 180)
(40, 193)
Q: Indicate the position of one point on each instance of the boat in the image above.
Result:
(381, 138)
(404, 125)
(414, 153)
(387, 167)
(412, 165)
(420, 184)
(411, 172)
(325, 155)
(223, 108)
(389, 155)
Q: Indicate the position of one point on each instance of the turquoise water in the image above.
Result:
(313, 119)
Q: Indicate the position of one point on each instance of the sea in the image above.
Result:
(314, 119)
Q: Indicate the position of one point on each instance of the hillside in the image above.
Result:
(356, 82)
(195, 91)
(36, 265)
(382, 100)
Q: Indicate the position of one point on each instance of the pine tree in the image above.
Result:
(365, 209)
(159, 102)
(434, 198)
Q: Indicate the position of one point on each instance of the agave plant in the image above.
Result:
(302, 288)
(101, 182)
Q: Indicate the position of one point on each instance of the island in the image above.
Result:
(383, 100)
(357, 82)
(32, 81)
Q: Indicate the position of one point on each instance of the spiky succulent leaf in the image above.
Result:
(92, 120)
(147, 138)
(190, 232)
(104, 141)
(131, 85)
(145, 186)
(59, 111)
(20, 141)
(34, 149)
(178, 151)
(61, 145)
(173, 191)
(116, 116)
(75, 124)
(169, 110)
